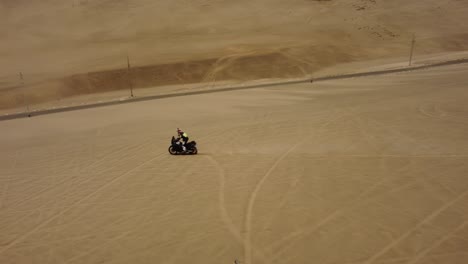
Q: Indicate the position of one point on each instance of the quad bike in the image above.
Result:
(176, 148)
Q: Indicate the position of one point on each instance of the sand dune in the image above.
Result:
(76, 47)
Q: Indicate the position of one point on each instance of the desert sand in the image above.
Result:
(78, 47)
(363, 170)
(369, 170)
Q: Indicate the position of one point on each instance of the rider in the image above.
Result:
(182, 137)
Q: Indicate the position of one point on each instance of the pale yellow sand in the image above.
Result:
(365, 170)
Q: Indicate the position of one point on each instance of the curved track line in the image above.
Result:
(343, 209)
(297, 60)
(397, 132)
(222, 206)
(437, 243)
(32, 231)
(284, 199)
(253, 197)
(319, 133)
(220, 65)
(427, 219)
(122, 235)
(434, 111)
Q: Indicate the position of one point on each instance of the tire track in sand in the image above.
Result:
(437, 243)
(363, 198)
(68, 182)
(126, 233)
(318, 135)
(222, 64)
(253, 197)
(348, 112)
(92, 166)
(222, 207)
(221, 204)
(44, 223)
(426, 220)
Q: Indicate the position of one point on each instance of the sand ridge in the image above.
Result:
(76, 47)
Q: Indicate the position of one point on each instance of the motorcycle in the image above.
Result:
(176, 148)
